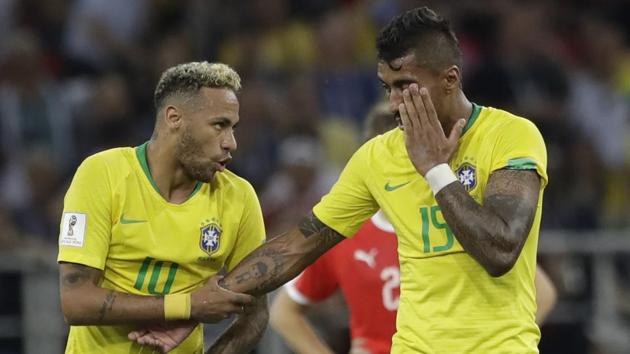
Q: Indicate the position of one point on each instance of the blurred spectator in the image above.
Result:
(101, 34)
(47, 19)
(268, 41)
(9, 235)
(39, 218)
(598, 108)
(301, 180)
(346, 85)
(7, 21)
(33, 115)
(602, 112)
(255, 157)
(108, 119)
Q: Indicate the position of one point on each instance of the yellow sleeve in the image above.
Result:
(85, 228)
(349, 203)
(251, 231)
(520, 146)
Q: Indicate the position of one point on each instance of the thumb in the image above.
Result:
(456, 132)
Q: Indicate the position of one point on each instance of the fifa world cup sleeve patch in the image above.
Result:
(72, 229)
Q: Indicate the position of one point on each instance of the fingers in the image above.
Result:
(213, 303)
(133, 335)
(420, 110)
(456, 132)
(431, 117)
(148, 339)
(404, 118)
(238, 299)
(412, 110)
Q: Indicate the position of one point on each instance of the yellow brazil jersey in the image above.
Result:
(115, 220)
(448, 303)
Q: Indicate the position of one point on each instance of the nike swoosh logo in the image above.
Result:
(391, 188)
(130, 221)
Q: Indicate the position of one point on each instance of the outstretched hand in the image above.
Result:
(163, 336)
(426, 143)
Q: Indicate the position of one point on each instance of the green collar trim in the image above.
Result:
(141, 154)
(473, 117)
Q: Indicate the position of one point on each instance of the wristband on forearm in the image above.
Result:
(177, 307)
(439, 177)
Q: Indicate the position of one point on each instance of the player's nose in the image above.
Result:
(229, 142)
(395, 99)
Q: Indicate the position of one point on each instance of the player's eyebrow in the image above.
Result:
(403, 82)
(224, 120)
(399, 82)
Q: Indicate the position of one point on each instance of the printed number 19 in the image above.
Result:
(426, 240)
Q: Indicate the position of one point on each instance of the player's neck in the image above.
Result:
(169, 177)
(460, 108)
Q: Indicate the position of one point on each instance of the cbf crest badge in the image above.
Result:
(467, 175)
(210, 237)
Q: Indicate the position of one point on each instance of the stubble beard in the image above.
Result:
(187, 149)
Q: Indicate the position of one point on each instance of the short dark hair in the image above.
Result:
(189, 78)
(423, 31)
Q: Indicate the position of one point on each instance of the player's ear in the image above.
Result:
(172, 117)
(452, 78)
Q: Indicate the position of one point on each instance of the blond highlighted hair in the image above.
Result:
(378, 121)
(189, 78)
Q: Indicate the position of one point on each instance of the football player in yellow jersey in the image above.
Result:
(461, 183)
(146, 229)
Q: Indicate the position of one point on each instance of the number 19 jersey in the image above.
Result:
(115, 220)
(448, 303)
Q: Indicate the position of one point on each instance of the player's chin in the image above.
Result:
(209, 175)
(203, 175)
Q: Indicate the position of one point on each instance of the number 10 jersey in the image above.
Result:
(115, 220)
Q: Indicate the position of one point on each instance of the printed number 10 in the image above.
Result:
(426, 240)
(155, 276)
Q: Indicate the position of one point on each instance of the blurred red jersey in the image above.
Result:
(365, 268)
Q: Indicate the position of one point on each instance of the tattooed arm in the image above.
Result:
(282, 258)
(83, 302)
(493, 233)
(244, 332)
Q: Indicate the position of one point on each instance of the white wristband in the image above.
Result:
(439, 177)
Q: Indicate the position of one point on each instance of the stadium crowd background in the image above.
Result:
(77, 77)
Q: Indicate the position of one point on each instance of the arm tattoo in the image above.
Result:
(269, 266)
(282, 258)
(513, 196)
(75, 275)
(495, 232)
(107, 304)
(244, 332)
(311, 225)
(328, 237)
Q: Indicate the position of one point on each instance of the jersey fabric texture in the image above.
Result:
(449, 303)
(365, 269)
(115, 220)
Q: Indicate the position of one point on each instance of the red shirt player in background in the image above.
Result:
(365, 268)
